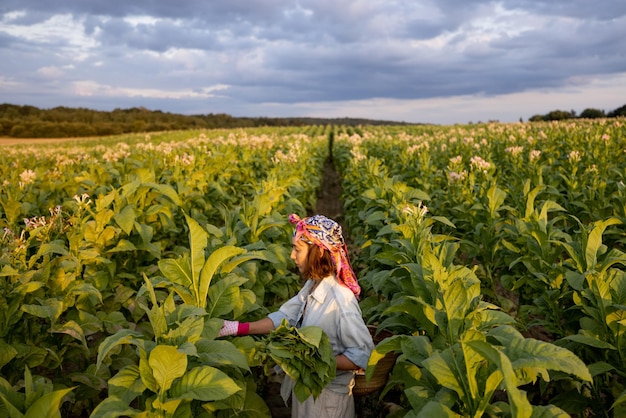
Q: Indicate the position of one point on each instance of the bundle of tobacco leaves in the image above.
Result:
(305, 355)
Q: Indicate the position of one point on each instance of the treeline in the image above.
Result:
(61, 122)
(588, 113)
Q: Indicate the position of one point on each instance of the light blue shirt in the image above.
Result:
(334, 308)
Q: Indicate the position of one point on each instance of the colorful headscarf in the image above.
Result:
(326, 234)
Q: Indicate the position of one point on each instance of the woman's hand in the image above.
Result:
(262, 326)
(229, 328)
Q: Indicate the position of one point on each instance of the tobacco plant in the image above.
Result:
(600, 302)
(39, 398)
(176, 368)
(172, 373)
(458, 349)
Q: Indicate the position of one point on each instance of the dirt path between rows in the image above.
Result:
(329, 196)
(330, 205)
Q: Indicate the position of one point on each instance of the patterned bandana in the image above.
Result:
(326, 234)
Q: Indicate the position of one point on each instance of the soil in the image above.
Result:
(329, 197)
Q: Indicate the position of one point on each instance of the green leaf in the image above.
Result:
(51, 309)
(221, 353)
(145, 371)
(572, 249)
(254, 405)
(302, 391)
(122, 246)
(11, 409)
(48, 405)
(621, 400)
(520, 406)
(311, 368)
(438, 365)
(126, 191)
(190, 330)
(311, 335)
(473, 362)
(547, 207)
(28, 287)
(155, 314)
(113, 407)
(126, 218)
(457, 300)
(146, 232)
(124, 336)
(87, 290)
(210, 267)
(156, 318)
(548, 411)
(204, 383)
(388, 345)
(169, 406)
(126, 384)
(599, 368)
(167, 364)
(530, 199)
(72, 329)
(54, 247)
(575, 279)
(436, 409)
(531, 354)
(590, 341)
(197, 242)
(614, 256)
(8, 271)
(224, 296)
(594, 240)
(7, 353)
(177, 270)
(496, 198)
(230, 265)
(166, 190)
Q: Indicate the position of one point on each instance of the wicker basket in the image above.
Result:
(381, 374)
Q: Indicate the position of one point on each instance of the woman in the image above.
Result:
(329, 300)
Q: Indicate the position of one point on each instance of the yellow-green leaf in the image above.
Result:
(167, 364)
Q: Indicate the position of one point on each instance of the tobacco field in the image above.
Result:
(493, 252)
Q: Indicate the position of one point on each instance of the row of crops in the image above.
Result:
(120, 256)
(493, 252)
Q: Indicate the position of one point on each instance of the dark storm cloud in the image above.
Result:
(273, 51)
(583, 9)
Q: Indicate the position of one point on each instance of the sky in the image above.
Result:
(419, 61)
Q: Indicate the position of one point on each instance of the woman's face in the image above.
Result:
(299, 254)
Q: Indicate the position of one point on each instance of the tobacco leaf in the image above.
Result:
(305, 355)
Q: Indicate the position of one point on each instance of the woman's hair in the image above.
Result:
(319, 263)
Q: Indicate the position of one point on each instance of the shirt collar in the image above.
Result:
(322, 289)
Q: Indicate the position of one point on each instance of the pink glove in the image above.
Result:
(234, 328)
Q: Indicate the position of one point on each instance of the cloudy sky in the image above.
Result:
(436, 61)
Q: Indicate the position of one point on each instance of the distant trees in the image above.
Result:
(31, 122)
(60, 122)
(589, 113)
(620, 111)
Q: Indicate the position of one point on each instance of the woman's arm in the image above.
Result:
(262, 326)
(344, 363)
